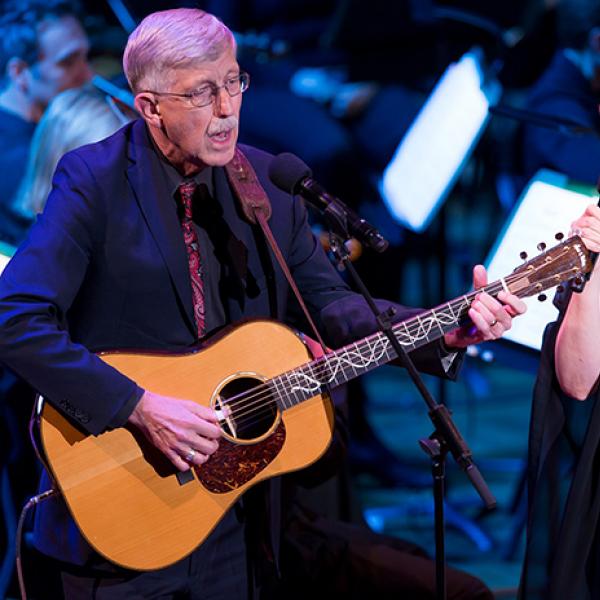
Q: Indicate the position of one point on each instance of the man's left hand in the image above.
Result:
(490, 317)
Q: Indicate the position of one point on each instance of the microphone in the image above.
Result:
(291, 175)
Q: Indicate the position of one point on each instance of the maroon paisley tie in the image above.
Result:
(186, 193)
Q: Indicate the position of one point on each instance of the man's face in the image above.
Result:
(62, 64)
(204, 135)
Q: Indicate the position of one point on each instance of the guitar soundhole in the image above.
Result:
(253, 409)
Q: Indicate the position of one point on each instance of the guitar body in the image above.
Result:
(125, 496)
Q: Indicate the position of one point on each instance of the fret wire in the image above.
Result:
(280, 401)
(278, 385)
(357, 350)
(296, 384)
(298, 392)
(420, 328)
(408, 334)
(327, 373)
(438, 320)
(312, 373)
(340, 373)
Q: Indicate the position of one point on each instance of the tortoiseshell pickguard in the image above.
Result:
(232, 465)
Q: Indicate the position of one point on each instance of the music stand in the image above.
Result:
(439, 142)
(548, 205)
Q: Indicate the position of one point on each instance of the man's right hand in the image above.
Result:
(185, 432)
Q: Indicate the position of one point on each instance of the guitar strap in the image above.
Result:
(257, 209)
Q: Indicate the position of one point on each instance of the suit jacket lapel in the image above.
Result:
(153, 198)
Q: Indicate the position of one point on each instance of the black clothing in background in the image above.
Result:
(563, 92)
(561, 555)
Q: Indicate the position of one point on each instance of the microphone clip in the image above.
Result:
(345, 223)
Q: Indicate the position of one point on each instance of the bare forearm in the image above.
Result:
(577, 354)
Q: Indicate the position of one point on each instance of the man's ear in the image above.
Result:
(145, 103)
(17, 71)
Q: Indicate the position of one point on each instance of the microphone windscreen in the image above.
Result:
(286, 171)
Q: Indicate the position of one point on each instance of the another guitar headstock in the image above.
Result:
(569, 260)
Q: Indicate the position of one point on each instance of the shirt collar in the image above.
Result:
(174, 177)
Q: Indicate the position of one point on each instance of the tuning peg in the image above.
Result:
(577, 283)
(541, 246)
(523, 255)
(542, 297)
(559, 236)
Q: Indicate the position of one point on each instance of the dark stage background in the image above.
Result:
(338, 83)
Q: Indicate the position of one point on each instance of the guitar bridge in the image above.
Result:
(224, 413)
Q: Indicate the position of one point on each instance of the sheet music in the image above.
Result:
(430, 156)
(548, 206)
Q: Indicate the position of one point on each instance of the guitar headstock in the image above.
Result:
(565, 261)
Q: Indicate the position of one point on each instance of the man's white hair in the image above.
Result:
(172, 39)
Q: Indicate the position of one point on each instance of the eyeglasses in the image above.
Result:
(207, 93)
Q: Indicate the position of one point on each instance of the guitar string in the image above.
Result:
(263, 391)
(323, 365)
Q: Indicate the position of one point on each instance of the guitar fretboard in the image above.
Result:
(351, 361)
(567, 259)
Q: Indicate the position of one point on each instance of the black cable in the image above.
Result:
(31, 502)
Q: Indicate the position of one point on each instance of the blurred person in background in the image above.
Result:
(569, 89)
(43, 51)
(74, 118)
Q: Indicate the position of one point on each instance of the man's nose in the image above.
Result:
(223, 103)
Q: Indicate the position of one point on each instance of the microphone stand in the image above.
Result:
(446, 436)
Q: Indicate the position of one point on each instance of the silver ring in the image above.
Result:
(189, 457)
(494, 322)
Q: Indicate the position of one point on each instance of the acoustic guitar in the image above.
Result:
(126, 497)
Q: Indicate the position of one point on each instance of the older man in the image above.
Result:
(143, 245)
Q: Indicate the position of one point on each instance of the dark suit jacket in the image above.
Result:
(105, 267)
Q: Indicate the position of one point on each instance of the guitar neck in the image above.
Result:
(367, 354)
(566, 260)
